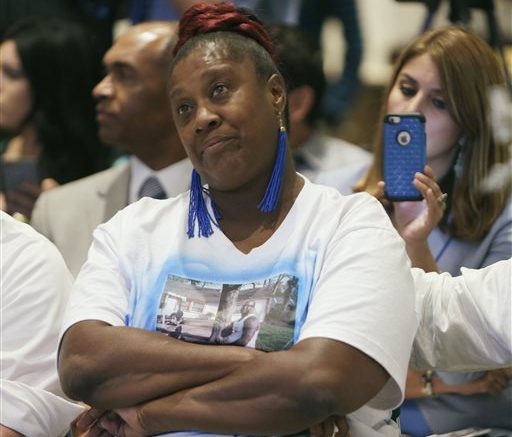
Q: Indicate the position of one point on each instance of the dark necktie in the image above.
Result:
(152, 188)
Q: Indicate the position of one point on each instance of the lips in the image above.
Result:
(214, 144)
(103, 115)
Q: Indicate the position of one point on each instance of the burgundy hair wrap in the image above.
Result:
(216, 17)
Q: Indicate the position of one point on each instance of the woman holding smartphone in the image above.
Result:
(47, 72)
(446, 75)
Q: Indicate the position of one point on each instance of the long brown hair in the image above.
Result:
(467, 68)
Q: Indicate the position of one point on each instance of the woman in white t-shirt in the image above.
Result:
(328, 274)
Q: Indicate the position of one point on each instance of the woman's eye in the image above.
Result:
(182, 109)
(219, 89)
(439, 103)
(407, 90)
(13, 73)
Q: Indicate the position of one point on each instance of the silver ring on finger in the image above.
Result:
(441, 200)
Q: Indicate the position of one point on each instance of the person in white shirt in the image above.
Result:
(34, 287)
(328, 274)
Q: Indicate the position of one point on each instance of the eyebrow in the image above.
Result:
(118, 65)
(408, 77)
(415, 82)
(208, 76)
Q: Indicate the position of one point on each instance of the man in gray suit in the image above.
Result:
(134, 114)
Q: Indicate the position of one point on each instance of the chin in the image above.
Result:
(108, 137)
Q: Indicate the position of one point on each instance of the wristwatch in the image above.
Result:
(426, 382)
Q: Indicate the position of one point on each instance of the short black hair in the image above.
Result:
(300, 61)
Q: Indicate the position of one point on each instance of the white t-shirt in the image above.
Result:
(335, 268)
(34, 286)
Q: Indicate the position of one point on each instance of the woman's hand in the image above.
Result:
(82, 425)
(416, 220)
(336, 426)
(492, 382)
(120, 423)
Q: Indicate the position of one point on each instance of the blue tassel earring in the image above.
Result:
(198, 211)
(271, 198)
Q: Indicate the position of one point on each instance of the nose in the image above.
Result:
(103, 89)
(206, 119)
(416, 103)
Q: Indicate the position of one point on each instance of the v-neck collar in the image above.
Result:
(282, 232)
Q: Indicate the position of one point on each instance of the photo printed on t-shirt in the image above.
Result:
(257, 314)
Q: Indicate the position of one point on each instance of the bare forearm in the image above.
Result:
(278, 393)
(114, 367)
(421, 256)
(8, 432)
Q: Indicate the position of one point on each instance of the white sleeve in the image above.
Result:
(100, 291)
(364, 298)
(35, 412)
(465, 322)
(35, 284)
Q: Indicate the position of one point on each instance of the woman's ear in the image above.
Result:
(277, 88)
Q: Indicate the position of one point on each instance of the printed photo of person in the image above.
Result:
(244, 331)
(258, 314)
(171, 324)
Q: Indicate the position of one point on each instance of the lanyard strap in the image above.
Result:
(445, 246)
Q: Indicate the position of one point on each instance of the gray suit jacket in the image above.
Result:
(68, 215)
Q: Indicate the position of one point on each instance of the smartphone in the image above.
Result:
(404, 154)
(14, 173)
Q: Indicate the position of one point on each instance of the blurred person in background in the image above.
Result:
(446, 75)
(300, 61)
(342, 91)
(47, 72)
(133, 114)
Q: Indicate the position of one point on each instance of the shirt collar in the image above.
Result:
(175, 178)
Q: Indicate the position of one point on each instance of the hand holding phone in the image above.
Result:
(404, 155)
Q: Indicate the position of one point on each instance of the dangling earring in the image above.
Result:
(198, 211)
(271, 198)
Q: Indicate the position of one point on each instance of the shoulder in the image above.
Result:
(25, 251)
(151, 215)
(330, 197)
(502, 226)
(506, 215)
(327, 153)
(344, 178)
(341, 145)
(16, 235)
(88, 185)
(332, 212)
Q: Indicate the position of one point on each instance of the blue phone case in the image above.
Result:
(404, 154)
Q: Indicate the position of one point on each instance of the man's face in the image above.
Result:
(132, 105)
(247, 308)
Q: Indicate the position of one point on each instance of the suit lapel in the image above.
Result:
(115, 194)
